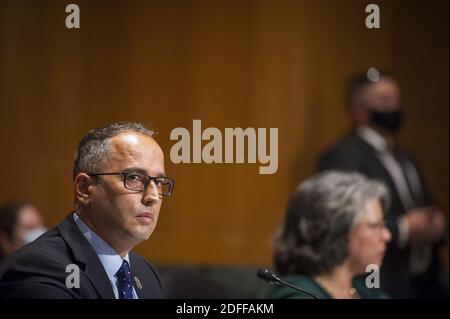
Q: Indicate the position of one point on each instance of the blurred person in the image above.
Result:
(332, 231)
(20, 224)
(412, 265)
(119, 183)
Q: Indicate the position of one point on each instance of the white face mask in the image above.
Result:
(33, 234)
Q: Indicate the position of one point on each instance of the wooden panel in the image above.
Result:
(229, 63)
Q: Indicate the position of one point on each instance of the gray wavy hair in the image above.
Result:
(313, 238)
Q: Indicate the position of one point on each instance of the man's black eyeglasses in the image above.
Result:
(139, 182)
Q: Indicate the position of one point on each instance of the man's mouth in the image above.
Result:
(146, 217)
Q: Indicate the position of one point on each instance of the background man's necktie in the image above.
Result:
(124, 283)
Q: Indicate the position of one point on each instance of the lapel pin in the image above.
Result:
(138, 282)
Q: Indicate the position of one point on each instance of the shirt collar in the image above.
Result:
(375, 139)
(109, 258)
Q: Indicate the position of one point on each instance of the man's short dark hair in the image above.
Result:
(358, 82)
(94, 147)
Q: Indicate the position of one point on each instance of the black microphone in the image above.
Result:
(269, 276)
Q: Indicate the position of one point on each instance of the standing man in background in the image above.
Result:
(411, 267)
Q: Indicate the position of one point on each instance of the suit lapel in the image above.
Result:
(379, 167)
(99, 279)
(140, 270)
(412, 176)
(84, 253)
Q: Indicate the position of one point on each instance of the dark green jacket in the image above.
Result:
(308, 284)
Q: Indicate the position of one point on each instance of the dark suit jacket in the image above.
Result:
(352, 153)
(38, 270)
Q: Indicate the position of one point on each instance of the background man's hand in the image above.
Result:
(426, 224)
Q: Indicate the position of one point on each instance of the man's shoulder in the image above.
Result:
(347, 153)
(349, 143)
(47, 254)
(38, 269)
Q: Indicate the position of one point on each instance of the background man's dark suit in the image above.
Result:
(38, 270)
(352, 153)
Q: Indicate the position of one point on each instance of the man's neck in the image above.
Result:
(372, 136)
(121, 249)
(387, 135)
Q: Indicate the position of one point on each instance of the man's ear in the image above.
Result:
(359, 113)
(83, 189)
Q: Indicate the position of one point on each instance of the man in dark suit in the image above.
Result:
(119, 182)
(411, 265)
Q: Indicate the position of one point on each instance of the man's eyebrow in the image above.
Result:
(142, 171)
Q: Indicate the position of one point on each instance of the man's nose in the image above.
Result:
(151, 195)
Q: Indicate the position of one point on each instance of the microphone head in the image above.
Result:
(267, 275)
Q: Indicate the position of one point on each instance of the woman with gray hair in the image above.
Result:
(333, 230)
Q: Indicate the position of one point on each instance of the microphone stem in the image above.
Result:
(297, 288)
